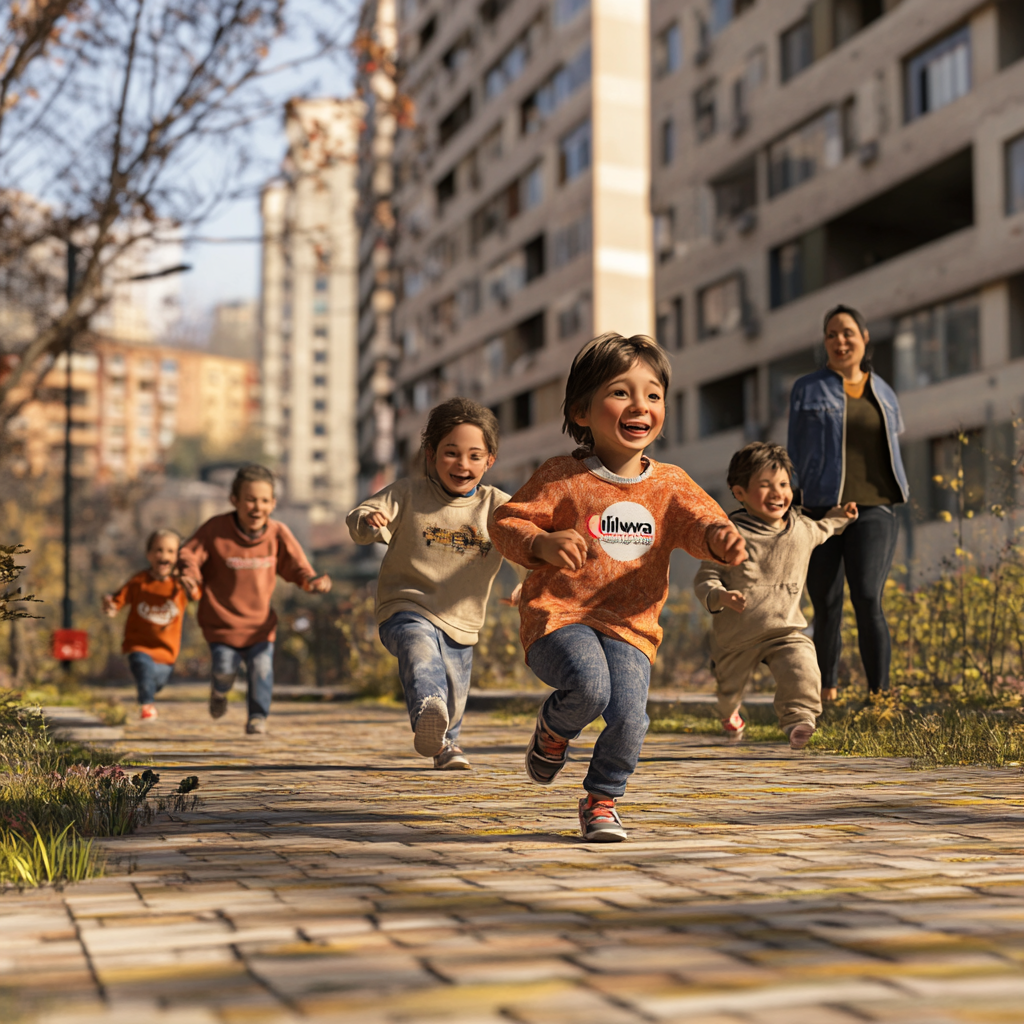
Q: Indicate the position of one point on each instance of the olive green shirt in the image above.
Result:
(869, 478)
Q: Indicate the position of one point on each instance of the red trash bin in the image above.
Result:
(70, 644)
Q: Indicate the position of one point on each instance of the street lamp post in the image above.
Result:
(68, 396)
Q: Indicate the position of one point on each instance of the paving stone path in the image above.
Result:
(330, 876)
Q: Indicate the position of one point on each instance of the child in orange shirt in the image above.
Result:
(152, 635)
(598, 529)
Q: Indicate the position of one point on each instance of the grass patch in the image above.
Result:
(702, 725)
(936, 736)
(55, 796)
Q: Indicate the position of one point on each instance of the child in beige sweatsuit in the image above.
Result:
(756, 604)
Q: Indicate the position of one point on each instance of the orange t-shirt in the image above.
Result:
(155, 611)
(631, 527)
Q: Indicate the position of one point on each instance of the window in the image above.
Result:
(456, 119)
(668, 141)
(938, 343)
(522, 414)
(491, 10)
(320, 284)
(939, 75)
(320, 357)
(534, 253)
(511, 64)
(458, 53)
(320, 405)
(680, 417)
(723, 12)
(574, 153)
(566, 10)
(1015, 175)
(704, 110)
(797, 46)
(1010, 32)
(1016, 289)
(736, 194)
(540, 105)
(571, 241)
(320, 331)
(570, 319)
(728, 403)
(669, 325)
(720, 307)
(319, 456)
(319, 307)
(169, 365)
(445, 189)
(664, 234)
(531, 189)
(784, 373)
(818, 144)
(668, 51)
(427, 33)
(319, 381)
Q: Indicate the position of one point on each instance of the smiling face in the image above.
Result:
(626, 413)
(461, 458)
(254, 502)
(844, 343)
(163, 557)
(768, 494)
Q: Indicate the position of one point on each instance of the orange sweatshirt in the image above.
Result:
(631, 527)
(155, 610)
(238, 574)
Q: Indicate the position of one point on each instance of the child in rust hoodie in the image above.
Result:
(237, 558)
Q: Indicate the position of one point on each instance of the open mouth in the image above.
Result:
(775, 506)
(459, 479)
(633, 428)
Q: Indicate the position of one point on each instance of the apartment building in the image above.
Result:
(129, 404)
(309, 309)
(522, 195)
(869, 152)
(376, 85)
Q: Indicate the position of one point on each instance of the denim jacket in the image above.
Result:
(817, 435)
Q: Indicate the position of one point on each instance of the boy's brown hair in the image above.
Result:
(252, 473)
(444, 418)
(159, 535)
(601, 359)
(755, 457)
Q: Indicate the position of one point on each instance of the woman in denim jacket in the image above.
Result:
(843, 427)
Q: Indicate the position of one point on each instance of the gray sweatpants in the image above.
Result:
(794, 667)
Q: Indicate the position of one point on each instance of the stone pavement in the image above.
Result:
(331, 876)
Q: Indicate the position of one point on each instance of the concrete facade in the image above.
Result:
(377, 54)
(523, 211)
(788, 197)
(309, 309)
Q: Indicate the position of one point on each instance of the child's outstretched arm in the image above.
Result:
(113, 603)
(712, 590)
(524, 529)
(191, 557)
(701, 528)
(834, 521)
(374, 519)
(293, 566)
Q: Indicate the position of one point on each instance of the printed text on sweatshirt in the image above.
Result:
(631, 527)
(440, 561)
(238, 573)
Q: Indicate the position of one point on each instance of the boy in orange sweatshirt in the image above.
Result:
(156, 602)
(598, 528)
(237, 557)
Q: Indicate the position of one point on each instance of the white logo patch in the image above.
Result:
(159, 614)
(624, 530)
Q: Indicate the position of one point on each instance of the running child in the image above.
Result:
(156, 602)
(237, 557)
(438, 570)
(598, 528)
(756, 605)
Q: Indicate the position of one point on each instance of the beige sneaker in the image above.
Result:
(800, 735)
(451, 759)
(256, 726)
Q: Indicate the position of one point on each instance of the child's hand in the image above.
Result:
(733, 599)
(319, 584)
(377, 520)
(191, 587)
(109, 608)
(565, 549)
(513, 598)
(726, 544)
(850, 510)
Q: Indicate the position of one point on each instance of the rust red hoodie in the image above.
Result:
(238, 574)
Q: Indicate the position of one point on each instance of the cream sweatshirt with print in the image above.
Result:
(440, 561)
(772, 579)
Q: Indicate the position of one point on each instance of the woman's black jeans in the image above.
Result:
(863, 553)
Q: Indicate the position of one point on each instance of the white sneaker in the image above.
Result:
(800, 735)
(431, 726)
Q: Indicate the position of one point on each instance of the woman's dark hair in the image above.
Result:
(862, 325)
(600, 360)
(444, 418)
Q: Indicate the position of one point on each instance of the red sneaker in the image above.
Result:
(734, 726)
(599, 821)
(147, 712)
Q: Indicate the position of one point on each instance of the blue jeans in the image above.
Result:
(594, 676)
(430, 664)
(259, 670)
(863, 554)
(150, 676)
